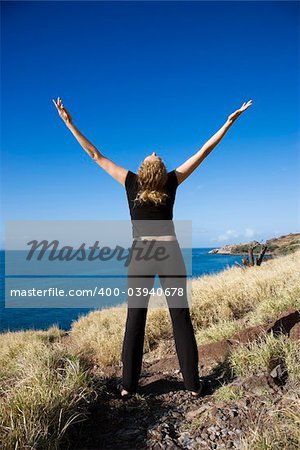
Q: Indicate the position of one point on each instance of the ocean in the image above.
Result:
(14, 319)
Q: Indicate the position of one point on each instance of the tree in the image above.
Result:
(251, 260)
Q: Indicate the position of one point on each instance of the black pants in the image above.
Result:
(141, 277)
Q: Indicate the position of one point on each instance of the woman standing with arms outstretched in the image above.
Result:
(151, 195)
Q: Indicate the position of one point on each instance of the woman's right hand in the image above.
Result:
(239, 111)
(64, 114)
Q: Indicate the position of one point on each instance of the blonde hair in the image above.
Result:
(152, 176)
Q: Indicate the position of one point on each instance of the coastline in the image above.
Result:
(238, 254)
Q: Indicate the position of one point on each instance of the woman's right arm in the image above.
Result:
(117, 172)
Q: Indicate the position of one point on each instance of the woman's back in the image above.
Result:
(148, 212)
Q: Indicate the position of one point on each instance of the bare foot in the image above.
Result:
(124, 392)
(197, 393)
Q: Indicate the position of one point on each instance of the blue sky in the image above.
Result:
(139, 77)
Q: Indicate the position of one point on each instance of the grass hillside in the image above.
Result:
(47, 381)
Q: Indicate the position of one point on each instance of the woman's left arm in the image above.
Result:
(193, 162)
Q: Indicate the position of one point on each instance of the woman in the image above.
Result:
(151, 194)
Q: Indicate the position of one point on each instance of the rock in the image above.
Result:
(285, 323)
(157, 446)
(295, 332)
(184, 438)
(129, 434)
(172, 446)
(196, 412)
(233, 413)
(154, 434)
(279, 374)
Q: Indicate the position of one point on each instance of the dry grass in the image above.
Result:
(44, 389)
(228, 393)
(277, 427)
(98, 336)
(265, 353)
(237, 292)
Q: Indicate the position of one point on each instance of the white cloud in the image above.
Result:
(230, 234)
(249, 232)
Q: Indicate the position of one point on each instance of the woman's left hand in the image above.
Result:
(239, 111)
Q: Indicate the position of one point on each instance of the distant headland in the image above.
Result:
(276, 246)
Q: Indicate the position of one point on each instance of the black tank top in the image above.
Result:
(144, 214)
